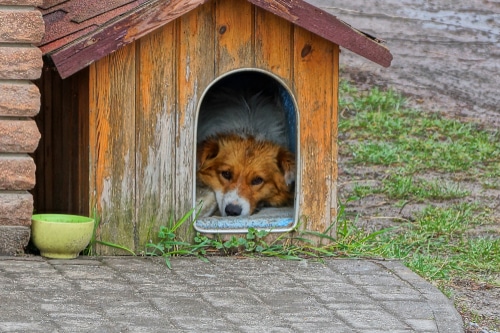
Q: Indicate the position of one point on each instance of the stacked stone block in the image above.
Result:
(21, 26)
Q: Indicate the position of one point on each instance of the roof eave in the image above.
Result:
(315, 20)
(124, 30)
(79, 54)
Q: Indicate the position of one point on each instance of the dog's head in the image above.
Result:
(245, 173)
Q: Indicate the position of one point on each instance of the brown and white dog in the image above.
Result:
(242, 157)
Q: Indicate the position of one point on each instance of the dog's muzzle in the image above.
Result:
(231, 204)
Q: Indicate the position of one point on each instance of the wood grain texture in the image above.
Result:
(273, 44)
(43, 153)
(62, 154)
(112, 147)
(234, 35)
(82, 81)
(314, 82)
(155, 132)
(334, 172)
(196, 70)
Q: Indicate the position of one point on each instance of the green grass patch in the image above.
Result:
(436, 246)
(400, 187)
(390, 134)
(348, 241)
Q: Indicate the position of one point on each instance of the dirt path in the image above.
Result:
(445, 52)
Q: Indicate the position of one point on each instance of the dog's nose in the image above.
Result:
(233, 210)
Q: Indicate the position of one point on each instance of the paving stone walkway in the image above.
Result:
(132, 294)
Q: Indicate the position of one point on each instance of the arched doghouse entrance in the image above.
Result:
(274, 219)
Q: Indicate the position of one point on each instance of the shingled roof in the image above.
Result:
(79, 32)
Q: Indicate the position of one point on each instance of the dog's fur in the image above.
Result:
(242, 155)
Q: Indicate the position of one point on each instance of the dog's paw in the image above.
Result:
(207, 203)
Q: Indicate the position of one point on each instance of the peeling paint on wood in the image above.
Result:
(234, 42)
(112, 142)
(155, 132)
(196, 30)
(314, 75)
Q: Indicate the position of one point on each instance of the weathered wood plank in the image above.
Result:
(112, 147)
(63, 128)
(196, 70)
(46, 155)
(62, 155)
(82, 172)
(273, 44)
(234, 35)
(334, 139)
(274, 53)
(313, 81)
(155, 131)
(52, 94)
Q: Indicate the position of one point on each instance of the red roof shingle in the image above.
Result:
(68, 20)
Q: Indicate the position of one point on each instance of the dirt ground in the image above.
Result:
(446, 53)
(447, 59)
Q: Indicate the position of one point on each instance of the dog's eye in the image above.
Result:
(226, 174)
(257, 181)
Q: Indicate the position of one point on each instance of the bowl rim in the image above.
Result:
(60, 218)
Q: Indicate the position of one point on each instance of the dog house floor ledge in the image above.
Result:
(271, 219)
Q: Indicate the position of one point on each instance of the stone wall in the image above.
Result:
(21, 26)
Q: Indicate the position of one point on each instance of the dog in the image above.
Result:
(243, 162)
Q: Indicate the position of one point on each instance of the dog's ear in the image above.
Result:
(286, 163)
(206, 151)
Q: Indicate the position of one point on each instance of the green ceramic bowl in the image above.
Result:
(61, 236)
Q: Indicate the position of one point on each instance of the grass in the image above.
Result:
(400, 187)
(386, 133)
(437, 247)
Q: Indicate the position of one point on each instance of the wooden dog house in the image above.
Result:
(121, 86)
